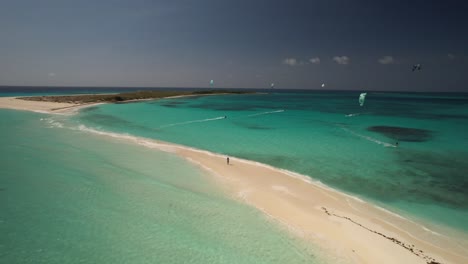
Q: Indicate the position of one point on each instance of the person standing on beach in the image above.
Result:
(227, 160)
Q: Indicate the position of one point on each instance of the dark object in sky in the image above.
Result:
(403, 133)
(417, 67)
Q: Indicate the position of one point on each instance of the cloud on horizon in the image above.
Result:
(315, 60)
(290, 61)
(342, 60)
(386, 60)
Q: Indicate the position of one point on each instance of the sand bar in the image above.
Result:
(354, 231)
(39, 106)
(351, 230)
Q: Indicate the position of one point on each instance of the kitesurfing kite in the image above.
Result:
(211, 83)
(323, 85)
(362, 98)
(417, 67)
(272, 85)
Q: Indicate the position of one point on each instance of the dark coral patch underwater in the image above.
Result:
(403, 133)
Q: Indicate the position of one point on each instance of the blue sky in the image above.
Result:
(346, 44)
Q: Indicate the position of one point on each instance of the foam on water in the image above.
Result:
(193, 121)
(371, 139)
(267, 113)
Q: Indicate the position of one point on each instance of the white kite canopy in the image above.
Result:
(272, 85)
(362, 98)
(323, 85)
(211, 83)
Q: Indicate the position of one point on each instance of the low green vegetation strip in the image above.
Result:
(123, 97)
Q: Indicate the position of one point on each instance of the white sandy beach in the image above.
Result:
(39, 106)
(351, 230)
(18, 104)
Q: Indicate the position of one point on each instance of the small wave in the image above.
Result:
(430, 231)
(41, 111)
(391, 213)
(405, 219)
(52, 123)
(266, 113)
(243, 194)
(149, 143)
(388, 145)
(193, 121)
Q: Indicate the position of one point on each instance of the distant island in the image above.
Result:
(123, 97)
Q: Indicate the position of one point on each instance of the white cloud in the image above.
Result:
(343, 60)
(386, 60)
(315, 60)
(290, 61)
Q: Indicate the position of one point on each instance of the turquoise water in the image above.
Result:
(329, 137)
(68, 196)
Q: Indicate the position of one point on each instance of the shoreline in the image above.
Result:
(348, 228)
(326, 216)
(41, 106)
(352, 230)
(48, 107)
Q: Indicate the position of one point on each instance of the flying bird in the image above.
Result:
(416, 67)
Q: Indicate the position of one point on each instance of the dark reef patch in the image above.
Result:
(168, 103)
(430, 177)
(89, 109)
(112, 121)
(257, 127)
(106, 120)
(403, 133)
(252, 126)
